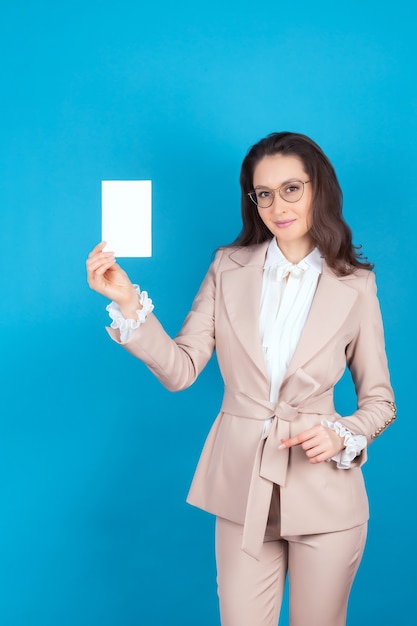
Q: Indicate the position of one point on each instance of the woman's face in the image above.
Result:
(289, 222)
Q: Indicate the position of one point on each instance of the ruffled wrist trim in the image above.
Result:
(354, 444)
(127, 326)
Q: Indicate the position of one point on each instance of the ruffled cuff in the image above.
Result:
(354, 444)
(128, 326)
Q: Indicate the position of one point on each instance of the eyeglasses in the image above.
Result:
(291, 191)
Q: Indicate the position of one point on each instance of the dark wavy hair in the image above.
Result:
(329, 230)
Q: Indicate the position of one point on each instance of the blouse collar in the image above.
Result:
(274, 256)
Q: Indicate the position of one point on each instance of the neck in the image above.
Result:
(295, 251)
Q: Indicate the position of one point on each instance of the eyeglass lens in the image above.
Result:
(291, 192)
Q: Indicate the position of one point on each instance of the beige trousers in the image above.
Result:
(321, 569)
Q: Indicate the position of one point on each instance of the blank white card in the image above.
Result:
(126, 217)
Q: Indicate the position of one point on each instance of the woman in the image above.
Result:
(286, 306)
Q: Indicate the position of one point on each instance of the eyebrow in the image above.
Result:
(289, 180)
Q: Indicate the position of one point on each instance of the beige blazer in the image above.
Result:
(239, 464)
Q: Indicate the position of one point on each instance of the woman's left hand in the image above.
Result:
(319, 443)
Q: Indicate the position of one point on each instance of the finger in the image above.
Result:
(298, 439)
(316, 451)
(311, 444)
(98, 248)
(96, 262)
(95, 278)
(324, 456)
(289, 443)
(109, 266)
(99, 255)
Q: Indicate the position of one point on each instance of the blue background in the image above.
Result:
(91, 530)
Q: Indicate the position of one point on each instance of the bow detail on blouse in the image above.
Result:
(285, 268)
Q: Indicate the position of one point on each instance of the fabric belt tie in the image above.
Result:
(270, 464)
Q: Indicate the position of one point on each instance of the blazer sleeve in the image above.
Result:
(177, 362)
(367, 361)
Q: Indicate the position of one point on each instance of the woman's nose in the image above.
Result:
(278, 205)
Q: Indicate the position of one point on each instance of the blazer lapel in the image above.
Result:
(241, 290)
(331, 305)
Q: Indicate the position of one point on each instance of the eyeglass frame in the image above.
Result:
(294, 180)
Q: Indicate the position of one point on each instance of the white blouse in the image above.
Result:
(287, 294)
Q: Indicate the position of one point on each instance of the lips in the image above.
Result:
(284, 223)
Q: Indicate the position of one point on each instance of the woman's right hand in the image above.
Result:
(106, 277)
